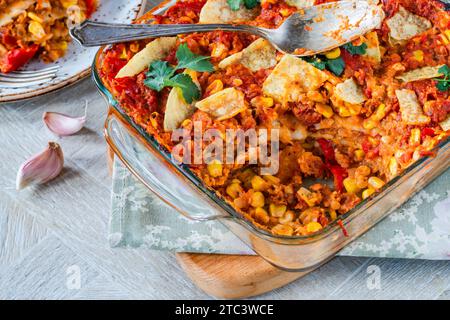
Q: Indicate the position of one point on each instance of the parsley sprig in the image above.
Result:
(336, 66)
(236, 4)
(160, 74)
(443, 84)
(355, 50)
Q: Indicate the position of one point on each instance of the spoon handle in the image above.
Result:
(92, 34)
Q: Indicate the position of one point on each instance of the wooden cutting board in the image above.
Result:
(230, 276)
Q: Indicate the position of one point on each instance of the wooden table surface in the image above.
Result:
(53, 233)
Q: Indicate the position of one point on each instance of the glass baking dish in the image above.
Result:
(181, 189)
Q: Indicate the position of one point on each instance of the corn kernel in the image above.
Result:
(234, 190)
(214, 87)
(215, 168)
(36, 29)
(261, 101)
(313, 227)
(344, 112)
(316, 96)
(376, 183)
(333, 54)
(324, 110)
(272, 179)
(393, 166)
(218, 50)
(380, 113)
(285, 12)
(262, 215)
(359, 155)
(277, 210)
(68, 3)
(186, 123)
(447, 34)
(35, 17)
(367, 193)
(350, 185)
(283, 230)
(307, 196)
(333, 214)
(259, 184)
(444, 39)
(63, 45)
(257, 200)
(414, 139)
(237, 82)
(134, 47)
(369, 124)
(124, 54)
(418, 55)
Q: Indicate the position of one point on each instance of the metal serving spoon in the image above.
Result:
(313, 30)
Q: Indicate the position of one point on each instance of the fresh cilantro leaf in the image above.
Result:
(443, 84)
(336, 66)
(188, 87)
(316, 62)
(189, 60)
(352, 49)
(234, 4)
(250, 4)
(158, 74)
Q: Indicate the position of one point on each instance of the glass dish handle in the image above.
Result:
(157, 175)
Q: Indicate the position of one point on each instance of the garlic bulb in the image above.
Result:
(64, 125)
(42, 167)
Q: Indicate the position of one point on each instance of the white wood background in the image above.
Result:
(46, 230)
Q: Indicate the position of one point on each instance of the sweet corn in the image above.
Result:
(359, 155)
(153, 119)
(285, 12)
(380, 113)
(259, 184)
(260, 101)
(333, 54)
(447, 34)
(369, 123)
(218, 50)
(257, 200)
(376, 183)
(215, 168)
(418, 55)
(277, 210)
(324, 110)
(354, 109)
(237, 82)
(63, 45)
(288, 217)
(134, 47)
(186, 123)
(350, 185)
(214, 87)
(234, 190)
(124, 54)
(272, 179)
(307, 196)
(444, 39)
(283, 230)
(393, 166)
(36, 29)
(68, 3)
(367, 193)
(344, 112)
(315, 96)
(35, 17)
(262, 215)
(333, 214)
(313, 227)
(414, 139)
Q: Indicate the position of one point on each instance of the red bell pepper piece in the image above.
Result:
(339, 173)
(91, 6)
(16, 58)
(427, 132)
(327, 149)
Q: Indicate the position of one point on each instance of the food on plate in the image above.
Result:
(30, 28)
(349, 120)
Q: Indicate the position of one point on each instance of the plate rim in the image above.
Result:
(60, 85)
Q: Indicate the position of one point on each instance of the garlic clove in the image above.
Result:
(64, 125)
(42, 167)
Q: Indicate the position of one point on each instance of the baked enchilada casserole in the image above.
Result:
(30, 28)
(348, 120)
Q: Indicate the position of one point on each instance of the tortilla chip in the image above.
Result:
(405, 25)
(445, 125)
(412, 113)
(156, 50)
(15, 10)
(349, 91)
(218, 11)
(224, 104)
(299, 4)
(291, 77)
(373, 51)
(421, 74)
(258, 55)
(177, 109)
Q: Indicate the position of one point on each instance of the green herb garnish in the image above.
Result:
(358, 50)
(236, 4)
(160, 74)
(443, 84)
(336, 66)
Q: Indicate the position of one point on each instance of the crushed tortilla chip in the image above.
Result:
(420, 74)
(412, 113)
(349, 91)
(224, 104)
(405, 25)
(218, 11)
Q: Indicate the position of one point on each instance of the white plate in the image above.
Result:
(76, 64)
